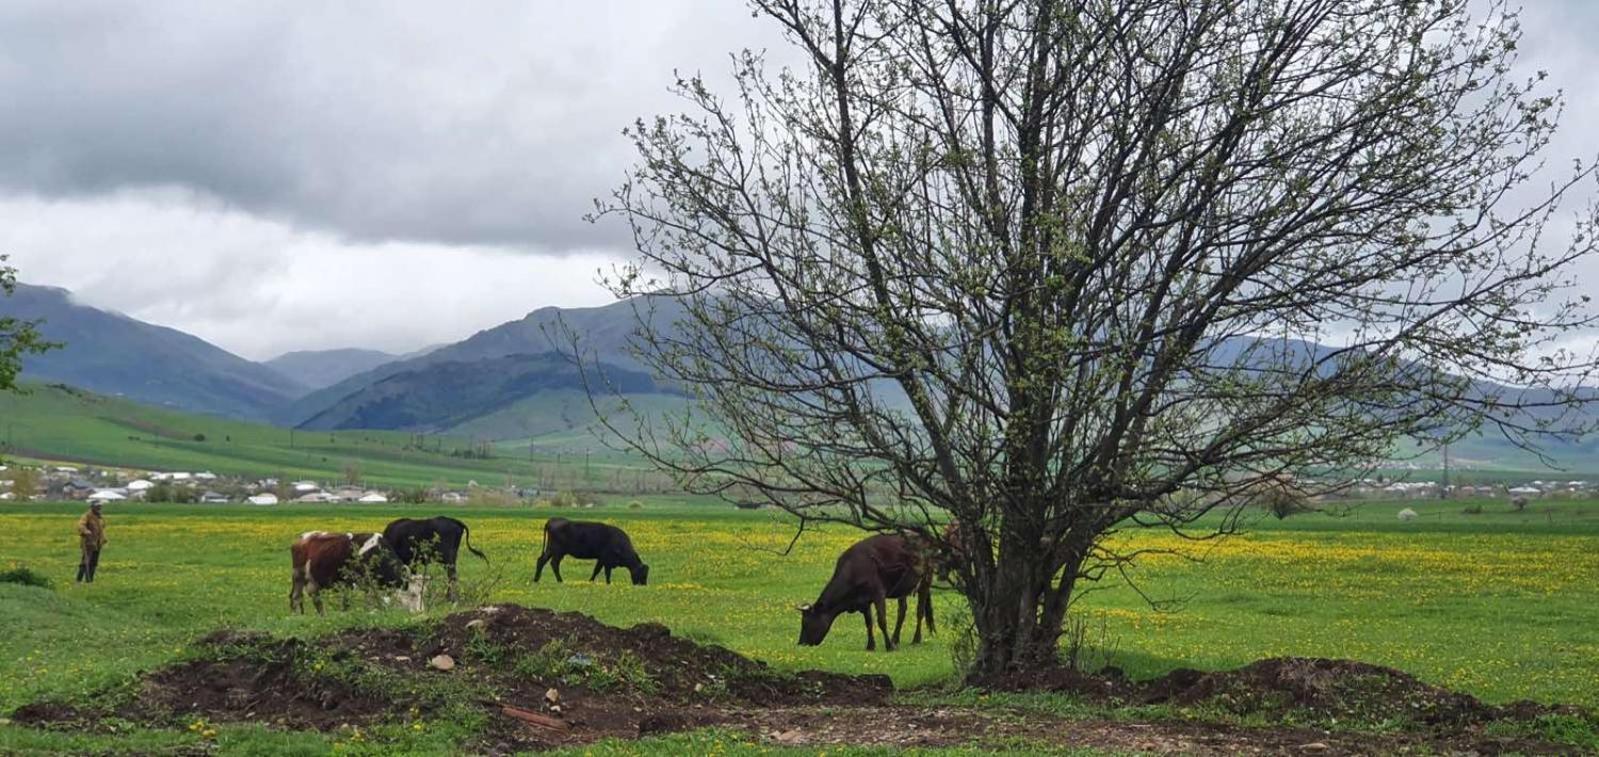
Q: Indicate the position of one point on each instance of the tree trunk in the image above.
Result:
(1019, 615)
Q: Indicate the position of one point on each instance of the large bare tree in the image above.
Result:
(1050, 268)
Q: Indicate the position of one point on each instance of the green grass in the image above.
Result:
(51, 423)
(1502, 605)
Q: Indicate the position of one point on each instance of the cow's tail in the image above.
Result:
(466, 538)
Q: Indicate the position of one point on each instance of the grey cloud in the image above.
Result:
(477, 123)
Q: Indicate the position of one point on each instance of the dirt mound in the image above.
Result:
(1341, 689)
(678, 668)
(1300, 689)
(545, 678)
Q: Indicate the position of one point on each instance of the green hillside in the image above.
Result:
(443, 396)
(606, 333)
(57, 423)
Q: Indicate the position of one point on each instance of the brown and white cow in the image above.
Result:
(872, 571)
(322, 560)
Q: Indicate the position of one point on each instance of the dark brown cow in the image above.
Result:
(953, 554)
(323, 559)
(872, 571)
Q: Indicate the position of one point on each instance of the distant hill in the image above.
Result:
(113, 354)
(605, 332)
(441, 396)
(322, 368)
(63, 424)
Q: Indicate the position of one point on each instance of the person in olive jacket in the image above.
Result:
(91, 538)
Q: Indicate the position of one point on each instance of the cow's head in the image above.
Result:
(375, 554)
(640, 573)
(814, 625)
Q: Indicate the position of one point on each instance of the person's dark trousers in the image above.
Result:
(86, 566)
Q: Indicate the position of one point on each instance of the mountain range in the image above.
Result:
(113, 354)
(512, 381)
(317, 369)
(504, 382)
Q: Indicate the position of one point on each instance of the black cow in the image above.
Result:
(870, 572)
(417, 541)
(607, 545)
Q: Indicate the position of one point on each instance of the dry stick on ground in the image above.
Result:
(534, 718)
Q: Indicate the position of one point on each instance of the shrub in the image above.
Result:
(577, 498)
(166, 492)
(24, 576)
(1473, 510)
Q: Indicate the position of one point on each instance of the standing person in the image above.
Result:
(91, 537)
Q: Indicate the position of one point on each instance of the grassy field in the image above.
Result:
(1502, 605)
(52, 423)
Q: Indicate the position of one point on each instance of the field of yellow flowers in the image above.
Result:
(1504, 608)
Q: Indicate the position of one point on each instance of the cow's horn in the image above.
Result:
(803, 608)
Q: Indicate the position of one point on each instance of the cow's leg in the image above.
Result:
(924, 599)
(871, 641)
(555, 567)
(599, 565)
(608, 573)
(881, 602)
(296, 590)
(449, 551)
(899, 622)
(316, 596)
(539, 570)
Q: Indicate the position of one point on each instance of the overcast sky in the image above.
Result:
(279, 176)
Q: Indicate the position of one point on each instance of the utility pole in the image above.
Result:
(1443, 491)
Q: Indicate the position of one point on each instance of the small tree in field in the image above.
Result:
(17, 337)
(1052, 268)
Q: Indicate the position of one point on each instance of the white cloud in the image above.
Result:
(261, 287)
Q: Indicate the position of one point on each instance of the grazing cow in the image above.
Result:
(607, 545)
(872, 571)
(953, 553)
(323, 559)
(418, 541)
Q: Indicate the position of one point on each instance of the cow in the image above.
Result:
(607, 545)
(870, 572)
(953, 554)
(322, 559)
(418, 541)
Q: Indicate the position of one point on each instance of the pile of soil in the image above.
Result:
(657, 683)
(683, 669)
(1307, 688)
(1326, 689)
(317, 684)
